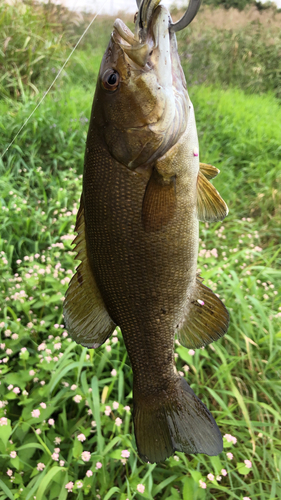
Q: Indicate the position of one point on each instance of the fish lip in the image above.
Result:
(137, 53)
(126, 35)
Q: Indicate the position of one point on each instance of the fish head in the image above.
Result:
(141, 92)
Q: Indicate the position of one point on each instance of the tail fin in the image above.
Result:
(177, 420)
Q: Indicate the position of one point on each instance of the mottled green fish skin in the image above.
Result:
(145, 264)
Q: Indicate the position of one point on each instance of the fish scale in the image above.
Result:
(144, 192)
(128, 288)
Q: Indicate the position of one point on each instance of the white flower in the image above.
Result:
(81, 438)
(248, 464)
(202, 484)
(86, 456)
(107, 410)
(77, 398)
(69, 486)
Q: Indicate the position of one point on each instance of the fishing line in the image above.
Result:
(46, 93)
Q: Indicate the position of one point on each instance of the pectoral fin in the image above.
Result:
(205, 320)
(86, 317)
(208, 170)
(159, 202)
(210, 205)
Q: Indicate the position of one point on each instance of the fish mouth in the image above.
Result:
(140, 45)
(137, 51)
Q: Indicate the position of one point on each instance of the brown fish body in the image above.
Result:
(145, 278)
(138, 243)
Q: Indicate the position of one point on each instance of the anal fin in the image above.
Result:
(210, 205)
(159, 202)
(85, 314)
(206, 318)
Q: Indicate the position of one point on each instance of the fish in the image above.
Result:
(144, 193)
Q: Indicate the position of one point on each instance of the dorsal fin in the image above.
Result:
(210, 205)
(86, 317)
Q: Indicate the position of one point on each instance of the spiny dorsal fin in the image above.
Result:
(208, 170)
(159, 202)
(210, 205)
(86, 317)
(206, 318)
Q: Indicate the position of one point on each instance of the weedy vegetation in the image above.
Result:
(65, 411)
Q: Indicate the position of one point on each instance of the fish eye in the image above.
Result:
(110, 79)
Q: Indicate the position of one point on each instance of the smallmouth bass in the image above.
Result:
(144, 193)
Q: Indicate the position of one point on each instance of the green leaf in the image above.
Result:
(30, 445)
(5, 432)
(6, 490)
(163, 485)
(196, 475)
(110, 445)
(11, 395)
(58, 376)
(242, 469)
(174, 495)
(96, 412)
(188, 489)
(77, 449)
(110, 492)
(116, 454)
(216, 463)
(47, 480)
(15, 462)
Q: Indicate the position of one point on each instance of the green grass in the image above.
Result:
(238, 377)
(247, 56)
